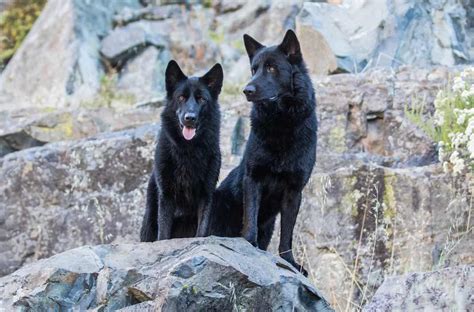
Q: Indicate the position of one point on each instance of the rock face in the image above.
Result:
(377, 203)
(131, 38)
(25, 128)
(92, 191)
(450, 289)
(391, 33)
(218, 274)
(58, 64)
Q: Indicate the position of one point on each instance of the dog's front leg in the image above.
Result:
(165, 218)
(289, 212)
(204, 217)
(252, 194)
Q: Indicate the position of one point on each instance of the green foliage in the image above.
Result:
(15, 23)
(207, 3)
(216, 37)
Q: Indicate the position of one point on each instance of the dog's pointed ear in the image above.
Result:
(290, 46)
(213, 79)
(251, 45)
(173, 75)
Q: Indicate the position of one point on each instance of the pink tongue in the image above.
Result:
(188, 133)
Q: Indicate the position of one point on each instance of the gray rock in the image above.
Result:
(450, 289)
(143, 76)
(124, 42)
(25, 128)
(391, 33)
(153, 13)
(92, 192)
(59, 65)
(367, 222)
(318, 56)
(212, 273)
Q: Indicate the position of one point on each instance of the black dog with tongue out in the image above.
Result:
(187, 157)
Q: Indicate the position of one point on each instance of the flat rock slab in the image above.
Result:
(450, 289)
(216, 274)
(130, 39)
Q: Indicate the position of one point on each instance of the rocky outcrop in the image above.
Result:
(376, 194)
(449, 289)
(361, 223)
(176, 275)
(131, 39)
(25, 128)
(59, 61)
(391, 33)
(92, 191)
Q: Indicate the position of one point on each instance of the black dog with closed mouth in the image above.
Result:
(280, 152)
(187, 157)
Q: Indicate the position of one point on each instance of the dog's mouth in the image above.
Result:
(189, 132)
(265, 100)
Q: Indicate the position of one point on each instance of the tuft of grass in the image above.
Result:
(108, 94)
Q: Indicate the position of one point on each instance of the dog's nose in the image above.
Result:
(190, 117)
(249, 90)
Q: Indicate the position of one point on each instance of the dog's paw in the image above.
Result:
(252, 239)
(301, 270)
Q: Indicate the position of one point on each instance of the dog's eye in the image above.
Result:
(181, 98)
(254, 70)
(271, 69)
(200, 99)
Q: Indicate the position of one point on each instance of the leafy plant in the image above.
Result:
(452, 124)
(15, 23)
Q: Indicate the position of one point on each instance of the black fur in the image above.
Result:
(185, 171)
(280, 152)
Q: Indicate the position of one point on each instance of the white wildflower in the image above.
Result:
(470, 127)
(470, 146)
(458, 139)
(438, 118)
(467, 73)
(466, 94)
(441, 152)
(459, 85)
(446, 167)
(458, 163)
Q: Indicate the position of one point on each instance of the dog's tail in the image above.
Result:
(149, 230)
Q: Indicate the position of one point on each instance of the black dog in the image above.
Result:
(280, 152)
(187, 157)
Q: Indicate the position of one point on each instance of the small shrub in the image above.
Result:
(15, 23)
(452, 124)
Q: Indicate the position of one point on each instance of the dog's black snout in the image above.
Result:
(191, 117)
(249, 90)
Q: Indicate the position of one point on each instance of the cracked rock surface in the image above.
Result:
(220, 274)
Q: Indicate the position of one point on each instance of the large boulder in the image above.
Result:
(59, 61)
(391, 33)
(69, 194)
(361, 223)
(24, 128)
(217, 274)
(450, 289)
